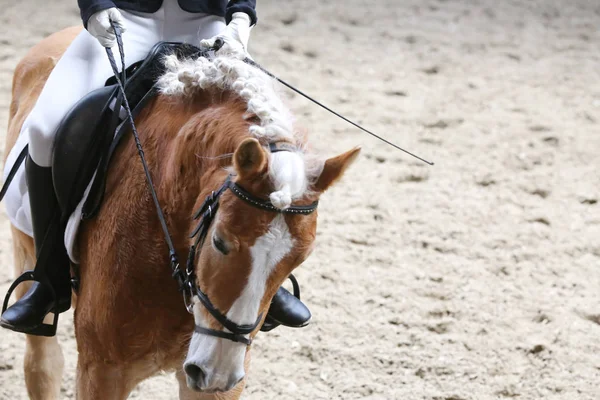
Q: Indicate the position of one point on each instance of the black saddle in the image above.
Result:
(88, 134)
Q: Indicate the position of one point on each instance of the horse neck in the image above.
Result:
(186, 139)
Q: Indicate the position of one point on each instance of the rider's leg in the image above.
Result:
(81, 69)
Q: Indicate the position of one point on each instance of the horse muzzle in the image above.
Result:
(202, 379)
(214, 364)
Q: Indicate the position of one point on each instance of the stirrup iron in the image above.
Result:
(42, 329)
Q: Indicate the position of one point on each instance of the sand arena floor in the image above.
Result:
(478, 278)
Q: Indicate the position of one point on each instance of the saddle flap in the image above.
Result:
(75, 153)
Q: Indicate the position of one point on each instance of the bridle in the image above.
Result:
(206, 214)
(186, 279)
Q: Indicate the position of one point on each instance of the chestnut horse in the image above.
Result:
(211, 121)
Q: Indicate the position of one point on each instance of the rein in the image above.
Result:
(186, 280)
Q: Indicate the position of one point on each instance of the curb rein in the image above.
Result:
(186, 280)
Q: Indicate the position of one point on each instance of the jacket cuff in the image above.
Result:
(89, 11)
(241, 8)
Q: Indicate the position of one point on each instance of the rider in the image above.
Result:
(83, 68)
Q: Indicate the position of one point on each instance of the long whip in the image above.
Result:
(255, 64)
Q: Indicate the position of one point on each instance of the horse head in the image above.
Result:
(249, 252)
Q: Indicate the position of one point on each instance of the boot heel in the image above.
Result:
(269, 324)
(46, 329)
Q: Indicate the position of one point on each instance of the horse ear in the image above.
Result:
(249, 159)
(334, 168)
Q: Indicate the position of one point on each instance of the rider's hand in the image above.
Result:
(235, 37)
(99, 26)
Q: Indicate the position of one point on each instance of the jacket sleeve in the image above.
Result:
(90, 7)
(247, 6)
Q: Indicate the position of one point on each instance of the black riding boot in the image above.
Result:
(51, 289)
(286, 309)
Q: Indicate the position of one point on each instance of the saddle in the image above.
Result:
(90, 132)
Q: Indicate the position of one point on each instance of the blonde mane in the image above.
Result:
(185, 77)
(290, 172)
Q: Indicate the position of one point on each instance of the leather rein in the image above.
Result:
(186, 279)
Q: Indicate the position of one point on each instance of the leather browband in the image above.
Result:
(267, 205)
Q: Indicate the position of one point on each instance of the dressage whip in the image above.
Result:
(218, 44)
(255, 64)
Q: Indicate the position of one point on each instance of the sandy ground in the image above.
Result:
(478, 278)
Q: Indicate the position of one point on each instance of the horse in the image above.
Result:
(210, 127)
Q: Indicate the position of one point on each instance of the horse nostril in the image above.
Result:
(234, 381)
(195, 374)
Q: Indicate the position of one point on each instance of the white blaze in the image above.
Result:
(222, 359)
(267, 252)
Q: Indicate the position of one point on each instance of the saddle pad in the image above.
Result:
(17, 205)
(16, 201)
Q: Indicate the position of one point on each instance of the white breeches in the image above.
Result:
(83, 68)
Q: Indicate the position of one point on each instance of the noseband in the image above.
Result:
(206, 214)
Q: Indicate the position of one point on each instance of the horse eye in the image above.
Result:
(220, 245)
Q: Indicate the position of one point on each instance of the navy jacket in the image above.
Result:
(222, 8)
